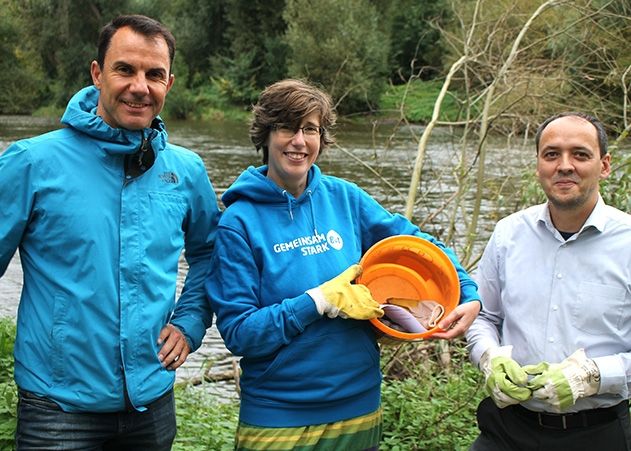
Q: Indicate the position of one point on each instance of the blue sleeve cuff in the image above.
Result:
(305, 310)
(469, 293)
(193, 329)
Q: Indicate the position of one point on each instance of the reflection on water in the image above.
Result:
(226, 151)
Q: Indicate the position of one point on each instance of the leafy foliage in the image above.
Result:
(431, 408)
(20, 69)
(8, 389)
(416, 49)
(64, 35)
(203, 423)
(425, 406)
(340, 45)
(616, 189)
(199, 27)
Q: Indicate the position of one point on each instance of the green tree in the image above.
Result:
(255, 52)
(64, 35)
(342, 45)
(21, 75)
(598, 54)
(199, 27)
(416, 48)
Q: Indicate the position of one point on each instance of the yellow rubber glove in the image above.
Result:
(505, 380)
(339, 297)
(562, 384)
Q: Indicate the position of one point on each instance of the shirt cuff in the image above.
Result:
(613, 378)
(476, 351)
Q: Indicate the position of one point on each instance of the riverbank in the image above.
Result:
(425, 406)
(413, 102)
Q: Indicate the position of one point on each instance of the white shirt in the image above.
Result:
(548, 297)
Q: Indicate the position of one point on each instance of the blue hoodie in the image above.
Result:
(299, 368)
(100, 255)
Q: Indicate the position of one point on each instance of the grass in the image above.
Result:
(418, 103)
(425, 406)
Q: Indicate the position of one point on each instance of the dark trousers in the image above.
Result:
(42, 425)
(509, 429)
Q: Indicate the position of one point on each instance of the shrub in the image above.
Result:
(8, 389)
(203, 423)
(430, 407)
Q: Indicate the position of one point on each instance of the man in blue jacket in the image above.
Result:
(101, 211)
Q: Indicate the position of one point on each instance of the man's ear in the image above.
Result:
(95, 72)
(170, 82)
(605, 166)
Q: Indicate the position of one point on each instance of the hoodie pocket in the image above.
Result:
(321, 369)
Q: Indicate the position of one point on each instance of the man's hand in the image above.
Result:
(340, 297)
(505, 379)
(174, 349)
(458, 321)
(562, 384)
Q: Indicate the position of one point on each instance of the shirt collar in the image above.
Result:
(597, 219)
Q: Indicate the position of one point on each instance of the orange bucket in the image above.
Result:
(409, 267)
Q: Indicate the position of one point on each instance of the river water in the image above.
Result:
(226, 151)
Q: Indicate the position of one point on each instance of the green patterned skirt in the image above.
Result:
(360, 433)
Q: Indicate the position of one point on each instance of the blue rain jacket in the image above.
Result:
(99, 253)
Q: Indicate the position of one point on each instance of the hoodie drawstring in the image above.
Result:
(291, 213)
(313, 217)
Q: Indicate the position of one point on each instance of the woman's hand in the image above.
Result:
(458, 321)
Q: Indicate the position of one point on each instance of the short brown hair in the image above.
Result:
(143, 25)
(600, 129)
(288, 102)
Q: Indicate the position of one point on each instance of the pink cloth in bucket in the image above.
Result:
(403, 318)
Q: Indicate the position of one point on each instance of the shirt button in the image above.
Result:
(555, 308)
(551, 340)
(559, 276)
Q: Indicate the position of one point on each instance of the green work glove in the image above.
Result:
(561, 384)
(339, 297)
(505, 380)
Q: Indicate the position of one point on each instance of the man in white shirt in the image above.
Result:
(554, 336)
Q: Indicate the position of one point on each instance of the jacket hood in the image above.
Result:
(81, 115)
(253, 184)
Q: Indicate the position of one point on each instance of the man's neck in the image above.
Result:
(570, 220)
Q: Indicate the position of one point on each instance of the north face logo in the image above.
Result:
(169, 177)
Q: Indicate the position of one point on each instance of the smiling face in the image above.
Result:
(134, 80)
(569, 165)
(290, 158)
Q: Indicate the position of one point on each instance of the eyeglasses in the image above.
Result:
(288, 131)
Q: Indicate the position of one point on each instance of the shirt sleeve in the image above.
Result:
(248, 328)
(378, 223)
(17, 196)
(192, 314)
(484, 333)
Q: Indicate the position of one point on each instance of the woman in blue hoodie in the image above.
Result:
(286, 252)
